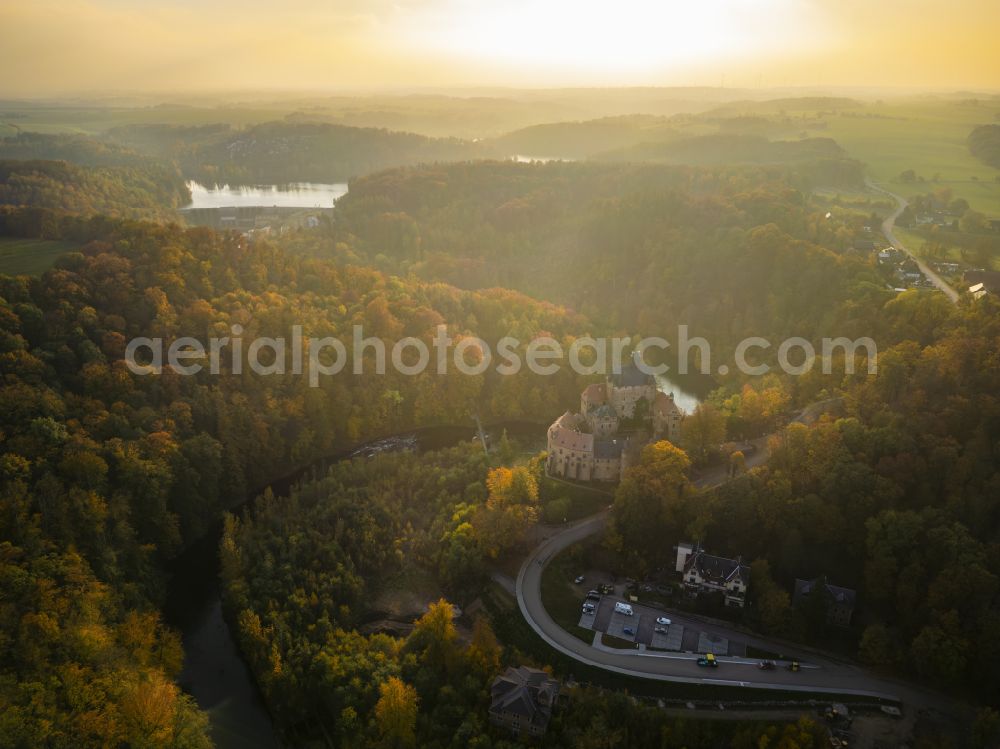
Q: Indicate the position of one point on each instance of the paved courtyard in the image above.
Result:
(681, 635)
(712, 644)
(642, 623)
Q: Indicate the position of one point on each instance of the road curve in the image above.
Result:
(887, 230)
(825, 677)
(819, 675)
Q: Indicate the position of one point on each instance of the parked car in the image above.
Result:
(628, 630)
(708, 660)
(579, 579)
(660, 630)
(766, 665)
(663, 620)
(593, 595)
(589, 608)
(623, 608)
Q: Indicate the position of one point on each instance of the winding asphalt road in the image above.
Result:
(887, 229)
(818, 675)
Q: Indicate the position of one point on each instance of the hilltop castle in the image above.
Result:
(587, 445)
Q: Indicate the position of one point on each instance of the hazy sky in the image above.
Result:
(70, 46)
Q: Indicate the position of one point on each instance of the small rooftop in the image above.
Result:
(838, 595)
(717, 569)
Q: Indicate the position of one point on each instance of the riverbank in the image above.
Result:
(214, 672)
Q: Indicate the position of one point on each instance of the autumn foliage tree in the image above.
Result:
(649, 504)
(511, 509)
(396, 713)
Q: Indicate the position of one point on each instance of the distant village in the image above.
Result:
(931, 217)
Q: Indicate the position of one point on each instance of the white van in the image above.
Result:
(623, 608)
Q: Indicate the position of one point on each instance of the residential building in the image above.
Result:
(990, 279)
(839, 601)
(521, 700)
(706, 573)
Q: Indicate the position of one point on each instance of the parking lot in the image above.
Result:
(642, 624)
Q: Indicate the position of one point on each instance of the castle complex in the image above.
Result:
(589, 446)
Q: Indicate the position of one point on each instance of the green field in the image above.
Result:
(29, 257)
(927, 136)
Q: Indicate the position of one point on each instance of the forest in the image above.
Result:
(453, 512)
(106, 476)
(120, 191)
(984, 143)
(893, 494)
(633, 247)
(283, 152)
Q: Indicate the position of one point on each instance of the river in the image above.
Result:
(214, 672)
(689, 389)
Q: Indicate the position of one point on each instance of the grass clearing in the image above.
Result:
(30, 257)
(562, 598)
(565, 501)
(407, 593)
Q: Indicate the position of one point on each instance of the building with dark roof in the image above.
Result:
(990, 279)
(706, 573)
(588, 447)
(631, 376)
(521, 700)
(839, 601)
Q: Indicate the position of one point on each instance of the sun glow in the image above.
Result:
(602, 39)
(104, 45)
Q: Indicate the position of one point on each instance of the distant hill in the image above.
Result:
(789, 104)
(78, 149)
(724, 148)
(577, 140)
(984, 144)
(279, 152)
(815, 161)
